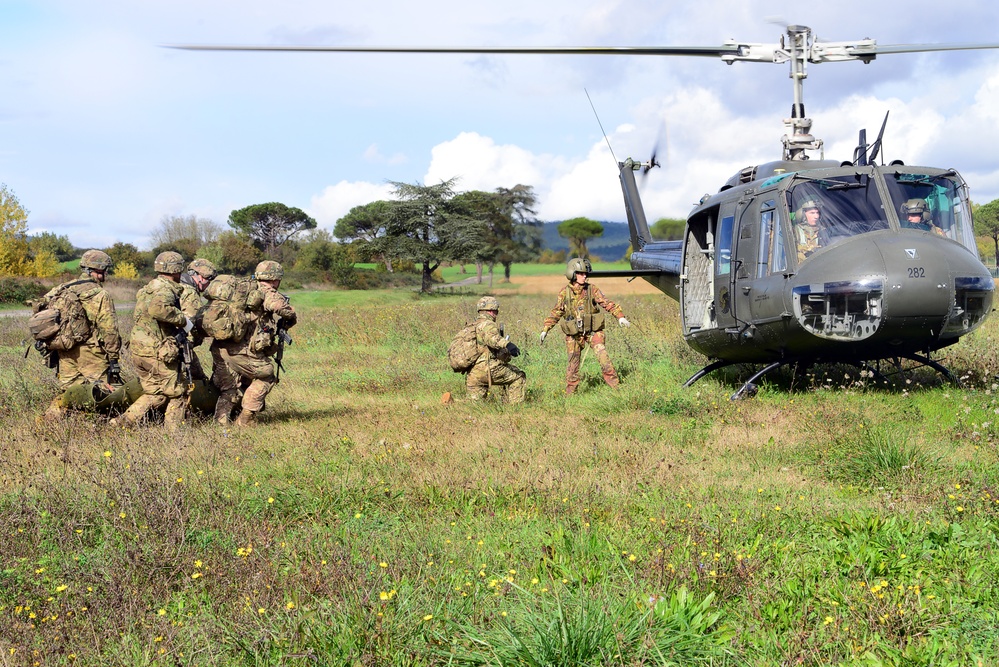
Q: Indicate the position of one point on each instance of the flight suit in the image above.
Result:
(573, 303)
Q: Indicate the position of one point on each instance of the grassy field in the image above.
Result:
(365, 523)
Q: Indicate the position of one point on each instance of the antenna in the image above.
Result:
(606, 138)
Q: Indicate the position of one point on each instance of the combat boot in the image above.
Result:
(246, 418)
(224, 406)
(176, 411)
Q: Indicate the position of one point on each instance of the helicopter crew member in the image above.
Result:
(493, 367)
(915, 214)
(97, 356)
(809, 232)
(577, 312)
(156, 353)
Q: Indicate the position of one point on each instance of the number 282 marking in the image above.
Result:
(917, 272)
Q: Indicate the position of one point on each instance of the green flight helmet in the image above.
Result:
(168, 262)
(268, 270)
(97, 260)
(577, 265)
(915, 207)
(487, 303)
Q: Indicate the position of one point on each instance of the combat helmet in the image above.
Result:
(807, 205)
(577, 265)
(203, 268)
(487, 303)
(913, 207)
(168, 262)
(97, 260)
(268, 270)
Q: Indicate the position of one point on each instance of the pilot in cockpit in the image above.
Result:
(809, 232)
(915, 214)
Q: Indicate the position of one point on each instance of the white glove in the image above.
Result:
(624, 322)
(543, 334)
(188, 325)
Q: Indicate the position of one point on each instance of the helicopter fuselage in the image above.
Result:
(760, 281)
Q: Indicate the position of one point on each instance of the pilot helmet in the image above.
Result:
(913, 207)
(577, 265)
(806, 205)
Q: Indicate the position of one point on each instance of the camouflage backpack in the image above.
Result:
(464, 350)
(225, 317)
(61, 323)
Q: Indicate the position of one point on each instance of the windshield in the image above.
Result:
(932, 204)
(826, 211)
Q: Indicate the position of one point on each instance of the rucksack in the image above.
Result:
(464, 350)
(225, 317)
(61, 323)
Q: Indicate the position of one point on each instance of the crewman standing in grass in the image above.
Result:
(492, 367)
(577, 312)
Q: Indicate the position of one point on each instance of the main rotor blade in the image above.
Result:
(706, 51)
(920, 48)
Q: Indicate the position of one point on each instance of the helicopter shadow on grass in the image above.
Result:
(290, 413)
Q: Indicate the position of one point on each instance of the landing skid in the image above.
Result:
(749, 387)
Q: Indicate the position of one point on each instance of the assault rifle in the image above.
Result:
(186, 358)
(280, 332)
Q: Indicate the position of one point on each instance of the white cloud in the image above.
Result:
(335, 201)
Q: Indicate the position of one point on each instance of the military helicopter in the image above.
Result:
(803, 261)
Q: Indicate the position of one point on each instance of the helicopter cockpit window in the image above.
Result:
(934, 204)
(826, 211)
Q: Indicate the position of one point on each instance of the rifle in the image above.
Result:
(283, 338)
(187, 357)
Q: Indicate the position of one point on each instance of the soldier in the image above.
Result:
(809, 231)
(193, 282)
(97, 356)
(248, 359)
(493, 367)
(577, 312)
(156, 353)
(915, 214)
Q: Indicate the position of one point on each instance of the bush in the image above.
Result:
(19, 290)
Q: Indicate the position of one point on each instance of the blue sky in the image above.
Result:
(103, 132)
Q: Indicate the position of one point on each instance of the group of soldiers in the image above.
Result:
(168, 325)
(578, 314)
(166, 329)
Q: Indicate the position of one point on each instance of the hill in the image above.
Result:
(611, 247)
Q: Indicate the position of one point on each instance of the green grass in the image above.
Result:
(363, 522)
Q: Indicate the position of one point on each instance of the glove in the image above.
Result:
(114, 372)
(513, 350)
(624, 322)
(190, 325)
(543, 334)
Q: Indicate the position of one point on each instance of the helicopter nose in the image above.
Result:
(933, 286)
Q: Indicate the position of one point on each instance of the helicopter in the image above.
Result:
(802, 261)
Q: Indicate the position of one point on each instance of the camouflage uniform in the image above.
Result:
(190, 303)
(88, 361)
(572, 302)
(155, 353)
(810, 238)
(248, 361)
(493, 367)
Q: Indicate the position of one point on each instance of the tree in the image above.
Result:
(231, 253)
(126, 253)
(185, 231)
(58, 246)
(369, 225)
(987, 223)
(668, 229)
(15, 257)
(428, 226)
(579, 231)
(520, 236)
(270, 225)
